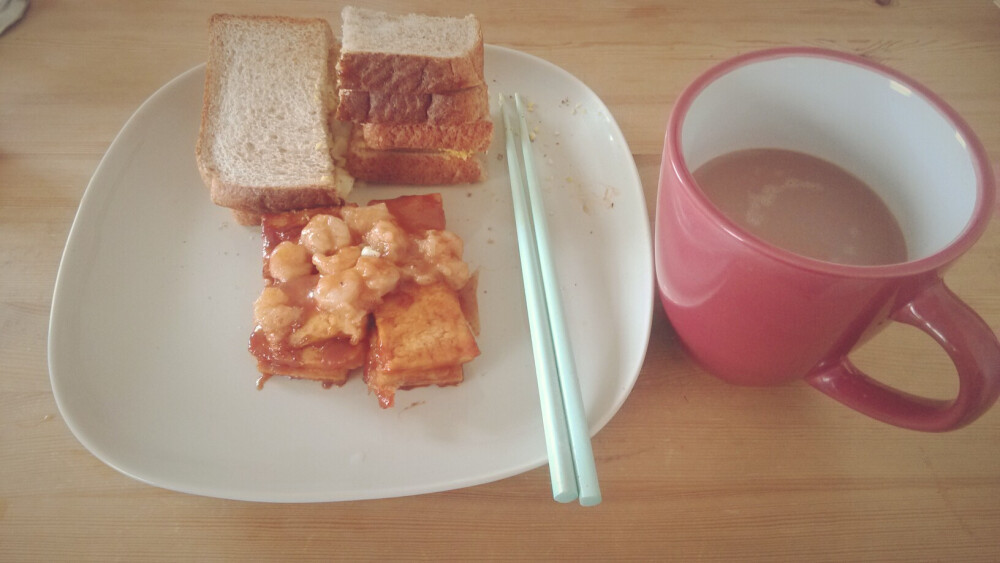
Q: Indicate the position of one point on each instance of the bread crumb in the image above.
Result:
(609, 196)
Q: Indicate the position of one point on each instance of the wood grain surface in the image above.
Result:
(691, 468)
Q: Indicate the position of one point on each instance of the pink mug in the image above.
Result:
(755, 314)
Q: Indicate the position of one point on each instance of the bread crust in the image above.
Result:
(415, 168)
(246, 218)
(411, 167)
(474, 136)
(271, 200)
(371, 71)
(248, 202)
(448, 108)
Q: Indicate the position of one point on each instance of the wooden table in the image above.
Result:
(691, 468)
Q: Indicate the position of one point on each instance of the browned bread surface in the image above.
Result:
(449, 108)
(474, 136)
(247, 218)
(409, 53)
(414, 167)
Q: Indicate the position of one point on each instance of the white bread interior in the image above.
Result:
(265, 142)
(411, 34)
(411, 53)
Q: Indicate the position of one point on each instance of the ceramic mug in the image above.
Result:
(755, 314)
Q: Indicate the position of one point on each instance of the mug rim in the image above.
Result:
(985, 182)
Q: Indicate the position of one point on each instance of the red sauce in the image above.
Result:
(416, 213)
(263, 379)
(334, 354)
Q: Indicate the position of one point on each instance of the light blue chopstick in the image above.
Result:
(554, 423)
(563, 413)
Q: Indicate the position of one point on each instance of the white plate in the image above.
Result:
(152, 312)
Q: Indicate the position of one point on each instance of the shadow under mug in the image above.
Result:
(752, 313)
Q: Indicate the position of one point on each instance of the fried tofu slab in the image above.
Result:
(383, 287)
(421, 338)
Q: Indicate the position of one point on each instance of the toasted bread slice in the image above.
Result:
(412, 167)
(247, 218)
(450, 108)
(474, 136)
(409, 53)
(265, 143)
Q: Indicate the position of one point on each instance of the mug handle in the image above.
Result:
(966, 338)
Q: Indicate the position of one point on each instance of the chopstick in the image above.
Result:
(567, 435)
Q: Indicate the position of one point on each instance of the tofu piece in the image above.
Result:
(421, 338)
(404, 333)
(330, 361)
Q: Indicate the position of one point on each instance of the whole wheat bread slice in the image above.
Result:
(409, 53)
(411, 167)
(265, 143)
(474, 136)
(449, 108)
